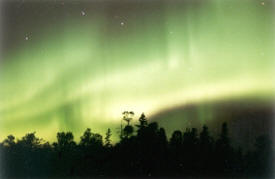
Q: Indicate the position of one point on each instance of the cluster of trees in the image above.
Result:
(143, 150)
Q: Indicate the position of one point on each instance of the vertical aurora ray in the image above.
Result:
(140, 56)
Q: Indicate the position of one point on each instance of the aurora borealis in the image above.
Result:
(69, 65)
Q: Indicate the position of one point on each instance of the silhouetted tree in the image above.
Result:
(190, 150)
(128, 116)
(205, 139)
(205, 151)
(162, 138)
(91, 145)
(107, 138)
(224, 139)
(142, 122)
(65, 149)
(29, 140)
(91, 139)
(145, 153)
(9, 141)
(128, 129)
(176, 139)
(224, 151)
(64, 140)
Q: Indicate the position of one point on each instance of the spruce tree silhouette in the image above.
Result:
(108, 138)
(190, 143)
(206, 146)
(176, 139)
(142, 122)
(224, 151)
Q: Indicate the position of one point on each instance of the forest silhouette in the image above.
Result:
(143, 150)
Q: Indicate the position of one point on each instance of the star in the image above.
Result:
(83, 13)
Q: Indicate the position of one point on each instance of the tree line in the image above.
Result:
(143, 150)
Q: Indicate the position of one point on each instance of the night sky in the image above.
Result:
(69, 65)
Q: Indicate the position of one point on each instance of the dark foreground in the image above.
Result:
(143, 151)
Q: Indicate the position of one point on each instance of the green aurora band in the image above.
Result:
(85, 71)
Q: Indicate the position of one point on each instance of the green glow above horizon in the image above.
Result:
(92, 68)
